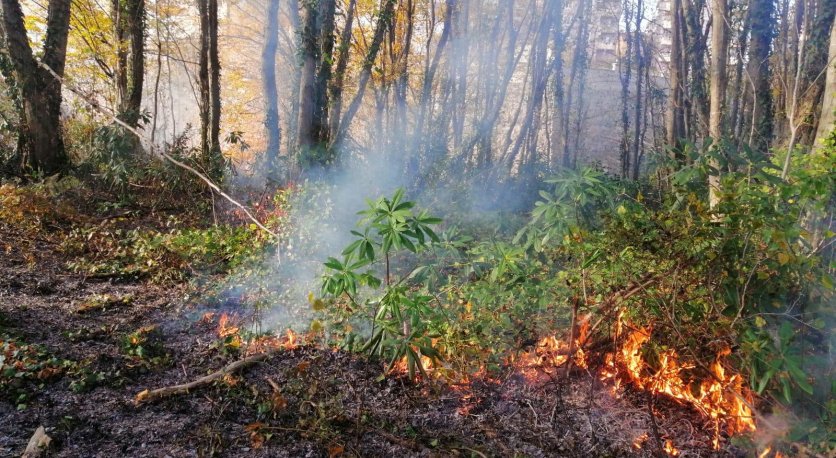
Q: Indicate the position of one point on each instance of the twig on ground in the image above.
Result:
(150, 395)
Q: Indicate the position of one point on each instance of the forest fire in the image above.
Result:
(229, 329)
(551, 352)
(670, 449)
(719, 396)
(766, 453)
(226, 327)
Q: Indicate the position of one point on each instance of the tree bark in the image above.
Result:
(759, 74)
(339, 73)
(271, 92)
(675, 117)
(40, 92)
(698, 95)
(210, 88)
(828, 107)
(129, 27)
(384, 20)
(719, 51)
(215, 87)
(820, 23)
(637, 118)
(203, 78)
(307, 85)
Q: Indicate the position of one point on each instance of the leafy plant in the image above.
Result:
(399, 322)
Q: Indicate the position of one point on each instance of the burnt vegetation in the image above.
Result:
(417, 227)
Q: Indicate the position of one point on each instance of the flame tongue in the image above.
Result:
(718, 396)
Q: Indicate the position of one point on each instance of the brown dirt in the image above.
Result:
(329, 403)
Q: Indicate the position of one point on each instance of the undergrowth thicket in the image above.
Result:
(753, 274)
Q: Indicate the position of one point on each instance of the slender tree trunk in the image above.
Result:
(325, 17)
(384, 20)
(215, 87)
(821, 18)
(759, 73)
(698, 96)
(719, 51)
(271, 92)
(210, 88)
(40, 91)
(158, 76)
(637, 117)
(129, 25)
(203, 79)
(120, 39)
(310, 54)
(339, 73)
(625, 72)
(292, 137)
(402, 84)
(828, 107)
(739, 87)
(675, 118)
(136, 11)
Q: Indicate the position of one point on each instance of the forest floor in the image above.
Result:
(80, 339)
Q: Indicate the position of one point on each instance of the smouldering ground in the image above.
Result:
(300, 402)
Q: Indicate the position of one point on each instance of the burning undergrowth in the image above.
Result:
(652, 302)
(561, 379)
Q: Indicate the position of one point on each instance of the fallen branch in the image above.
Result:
(150, 395)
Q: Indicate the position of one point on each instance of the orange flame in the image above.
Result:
(670, 449)
(290, 340)
(717, 398)
(551, 351)
(639, 441)
(225, 326)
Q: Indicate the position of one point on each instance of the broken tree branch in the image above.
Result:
(150, 395)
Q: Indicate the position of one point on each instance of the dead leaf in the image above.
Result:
(335, 450)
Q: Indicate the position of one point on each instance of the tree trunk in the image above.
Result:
(339, 73)
(271, 92)
(828, 107)
(759, 74)
(129, 35)
(637, 118)
(291, 141)
(625, 73)
(325, 18)
(675, 118)
(384, 20)
(719, 51)
(815, 62)
(40, 91)
(307, 85)
(203, 79)
(136, 11)
(698, 97)
(210, 88)
(215, 89)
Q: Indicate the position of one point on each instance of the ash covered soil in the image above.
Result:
(302, 402)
